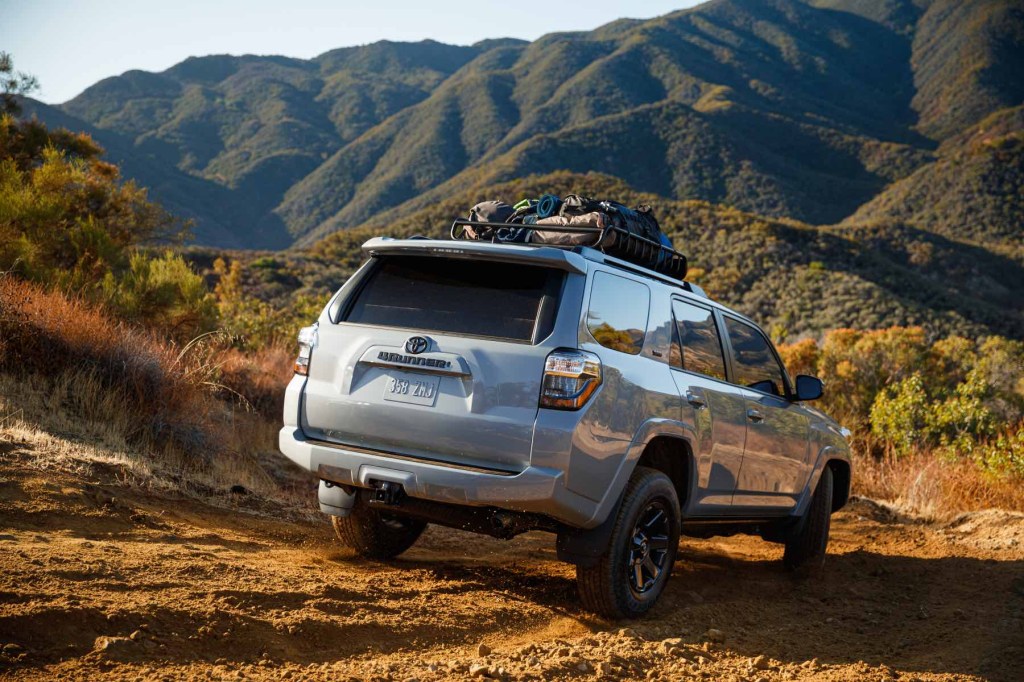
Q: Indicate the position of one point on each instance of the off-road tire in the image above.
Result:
(376, 535)
(808, 540)
(605, 587)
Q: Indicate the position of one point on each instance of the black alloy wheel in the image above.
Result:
(649, 547)
(626, 581)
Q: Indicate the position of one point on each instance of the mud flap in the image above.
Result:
(335, 500)
(584, 547)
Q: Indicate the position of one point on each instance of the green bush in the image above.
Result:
(256, 323)
(1003, 457)
(899, 415)
(68, 222)
(906, 418)
(163, 293)
(901, 393)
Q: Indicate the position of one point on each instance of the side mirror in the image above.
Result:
(808, 387)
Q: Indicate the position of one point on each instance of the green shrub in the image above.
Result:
(69, 223)
(256, 323)
(963, 417)
(162, 293)
(899, 415)
(1003, 457)
(902, 394)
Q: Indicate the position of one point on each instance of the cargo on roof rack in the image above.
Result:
(612, 240)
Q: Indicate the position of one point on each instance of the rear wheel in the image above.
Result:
(628, 579)
(808, 540)
(376, 535)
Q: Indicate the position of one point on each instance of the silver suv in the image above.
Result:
(503, 388)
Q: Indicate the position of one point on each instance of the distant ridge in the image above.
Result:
(823, 111)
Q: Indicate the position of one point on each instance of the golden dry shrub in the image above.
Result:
(52, 335)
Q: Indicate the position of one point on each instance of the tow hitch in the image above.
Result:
(387, 493)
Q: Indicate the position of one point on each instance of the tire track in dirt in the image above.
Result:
(103, 581)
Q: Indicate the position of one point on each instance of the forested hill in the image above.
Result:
(796, 279)
(822, 111)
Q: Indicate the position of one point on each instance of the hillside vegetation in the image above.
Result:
(972, 192)
(805, 110)
(797, 280)
(122, 344)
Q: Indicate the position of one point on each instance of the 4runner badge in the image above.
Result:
(416, 345)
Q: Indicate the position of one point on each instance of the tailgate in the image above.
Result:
(436, 358)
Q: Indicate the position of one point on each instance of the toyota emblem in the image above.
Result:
(416, 345)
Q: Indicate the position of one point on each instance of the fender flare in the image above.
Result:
(585, 546)
(826, 454)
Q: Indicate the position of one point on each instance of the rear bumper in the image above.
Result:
(535, 489)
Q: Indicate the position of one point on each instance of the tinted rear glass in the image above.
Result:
(697, 335)
(453, 296)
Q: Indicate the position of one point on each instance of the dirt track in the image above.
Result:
(102, 581)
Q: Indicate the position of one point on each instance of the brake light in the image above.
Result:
(570, 378)
(307, 339)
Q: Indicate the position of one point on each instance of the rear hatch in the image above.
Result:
(436, 358)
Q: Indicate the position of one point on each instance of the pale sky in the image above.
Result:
(69, 45)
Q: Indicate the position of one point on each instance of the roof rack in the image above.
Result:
(612, 240)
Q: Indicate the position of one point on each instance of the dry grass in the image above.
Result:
(71, 423)
(158, 387)
(260, 377)
(933, 486)
(159, 410)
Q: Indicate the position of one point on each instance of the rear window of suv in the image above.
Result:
(454, 296)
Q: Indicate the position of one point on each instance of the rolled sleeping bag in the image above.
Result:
(548, 205)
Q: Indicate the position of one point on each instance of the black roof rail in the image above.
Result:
(585, 251)
(612, 240)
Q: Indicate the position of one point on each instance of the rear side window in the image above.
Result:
(454, 296)
(699, 348)
(753, 362)
(617, 317)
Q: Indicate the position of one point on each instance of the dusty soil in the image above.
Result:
(100, 581)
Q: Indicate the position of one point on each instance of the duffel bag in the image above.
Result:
(487, 212)
(593, 219)
(639, 221)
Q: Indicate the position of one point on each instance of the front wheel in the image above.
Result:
(374, 534)
(630, 576)
(808, 540)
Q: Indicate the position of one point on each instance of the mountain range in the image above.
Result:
(818, 111)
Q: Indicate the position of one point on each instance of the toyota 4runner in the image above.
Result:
(502, 388)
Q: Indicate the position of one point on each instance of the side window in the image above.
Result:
(617, 317)
(752, 359)
(699, 348)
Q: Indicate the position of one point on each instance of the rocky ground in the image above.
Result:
(98, 580)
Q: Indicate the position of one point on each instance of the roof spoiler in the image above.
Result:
(551, 257)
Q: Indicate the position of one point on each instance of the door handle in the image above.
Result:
(695, 400)
(755, 415)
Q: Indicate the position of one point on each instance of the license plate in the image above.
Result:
(406, 387)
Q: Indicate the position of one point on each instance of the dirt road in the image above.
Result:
(100, 581)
